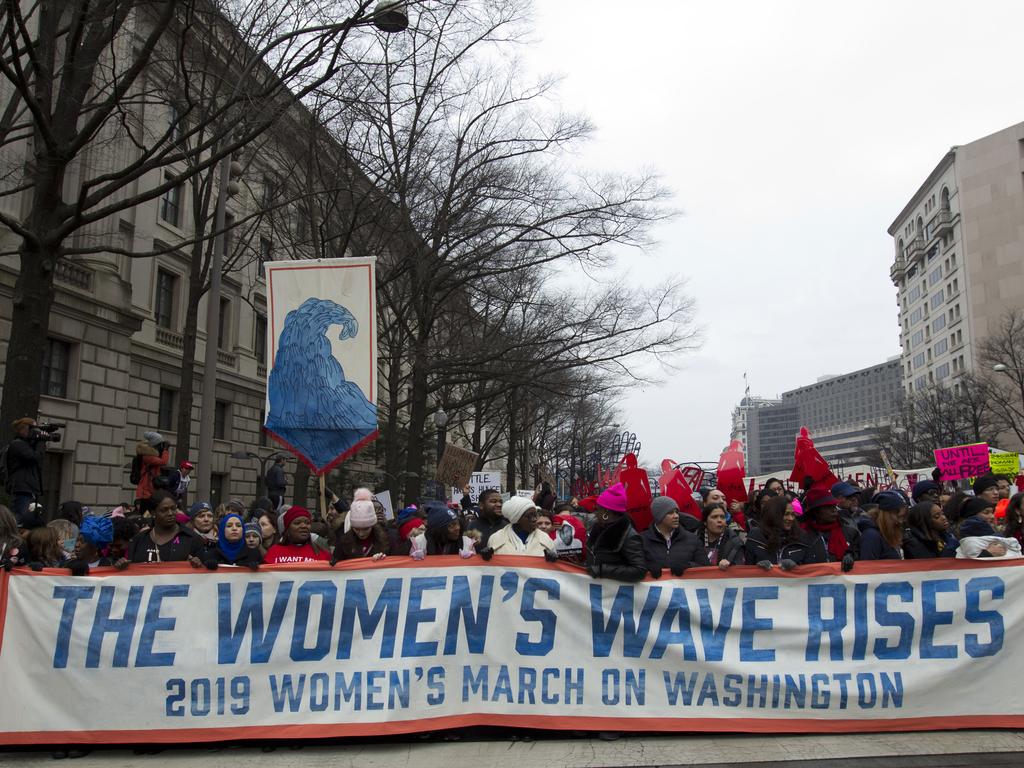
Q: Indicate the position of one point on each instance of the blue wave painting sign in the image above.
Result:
(322, 347)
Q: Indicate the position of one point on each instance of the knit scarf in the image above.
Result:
(837, 544)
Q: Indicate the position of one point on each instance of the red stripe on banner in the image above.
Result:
(525, 561)
(666, 724)
(312, 467)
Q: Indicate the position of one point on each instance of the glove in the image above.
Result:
(417, 554)
(7, 565)
(78, 568)
(486, 553)
(211, 564)
(550, 555)
(678, 570)
(655, 572)
(335, 559)
(594, 569)
(465, 554)
(787, 564)
(847, 563)
(253, 565)
(36, 566)
(766, 564)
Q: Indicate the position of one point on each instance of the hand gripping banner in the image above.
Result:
(322, 347)
(164, 653)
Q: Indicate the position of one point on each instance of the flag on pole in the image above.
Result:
(322, 348)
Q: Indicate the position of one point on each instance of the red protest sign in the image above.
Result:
(961, 461)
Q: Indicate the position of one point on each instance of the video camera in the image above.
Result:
(47, 432)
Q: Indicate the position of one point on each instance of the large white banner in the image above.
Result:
(163, 653)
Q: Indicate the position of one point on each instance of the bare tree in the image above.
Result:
(80, 81)
(1002, 357)
(479, 163)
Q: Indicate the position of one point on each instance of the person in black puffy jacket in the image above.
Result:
(721, 544)
(778, 540)
(667, 546)
(614, 550)
(927, 534)
(881, 530)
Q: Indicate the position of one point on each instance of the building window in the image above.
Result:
(918, 360)
(218, 488)
(175, 125)
(165, 409)
(170, 204)
(56, 365)
(935, 276)
(916, 339)
(939, 323)
(224, 324)
(916, 315)
(266, 254)
(942, 372)
(221, 416)
(260, 340)
(166, 293)
(937, 300)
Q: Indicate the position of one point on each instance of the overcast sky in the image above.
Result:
(792, 134)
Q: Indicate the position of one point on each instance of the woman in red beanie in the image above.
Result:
(296, 546)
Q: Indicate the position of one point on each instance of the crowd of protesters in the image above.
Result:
(775, 528)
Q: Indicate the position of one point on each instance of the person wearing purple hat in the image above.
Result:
(614, 549)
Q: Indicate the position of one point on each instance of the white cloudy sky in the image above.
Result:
(792, 134)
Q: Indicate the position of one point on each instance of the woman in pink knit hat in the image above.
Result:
(614, 549)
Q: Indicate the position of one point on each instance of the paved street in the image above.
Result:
(950, 748)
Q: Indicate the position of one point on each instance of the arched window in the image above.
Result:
(899, 248)
(945, 199)
(920, 227)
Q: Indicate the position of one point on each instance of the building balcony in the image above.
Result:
(227, 359)
(71, 274)
(943, 223)
(897, 269)
(169, 338)
(261, 371)
(915, 249)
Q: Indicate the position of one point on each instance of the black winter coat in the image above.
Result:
(25, 466)
(872, 545)
(348, 546)
(730, 547)
(819, 547)
(247, 557)
(615, 551)
(485, 529)
(799, 549)
(917, 546)
(681, 551)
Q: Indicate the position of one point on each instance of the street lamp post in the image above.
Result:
(441, 422)
(389, 16)
(263, 461)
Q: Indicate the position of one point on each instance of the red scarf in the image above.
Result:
(837, 544)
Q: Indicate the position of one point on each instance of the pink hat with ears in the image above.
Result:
(613, 498)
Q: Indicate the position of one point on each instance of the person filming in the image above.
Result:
(25, 463)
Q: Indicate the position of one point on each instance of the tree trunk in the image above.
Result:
(417, 420)
(189, 331)
(300, 485)
(392, 449)
(513, 439)
(30, 321)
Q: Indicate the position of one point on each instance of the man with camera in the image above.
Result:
(25, 463)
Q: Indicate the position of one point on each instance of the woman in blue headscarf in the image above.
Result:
(94, 536)
(230, 548)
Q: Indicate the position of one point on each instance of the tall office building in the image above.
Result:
(959, 262)
(842, 413)
(744, 419)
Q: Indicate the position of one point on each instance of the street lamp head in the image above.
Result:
(1000, 368)
(391, 16)
(440, 418)
(243, 455)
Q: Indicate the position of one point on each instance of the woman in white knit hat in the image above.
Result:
(521, 536)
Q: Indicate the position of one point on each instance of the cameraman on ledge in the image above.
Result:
(25, 465)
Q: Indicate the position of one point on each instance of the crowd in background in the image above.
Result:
(774, 528)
